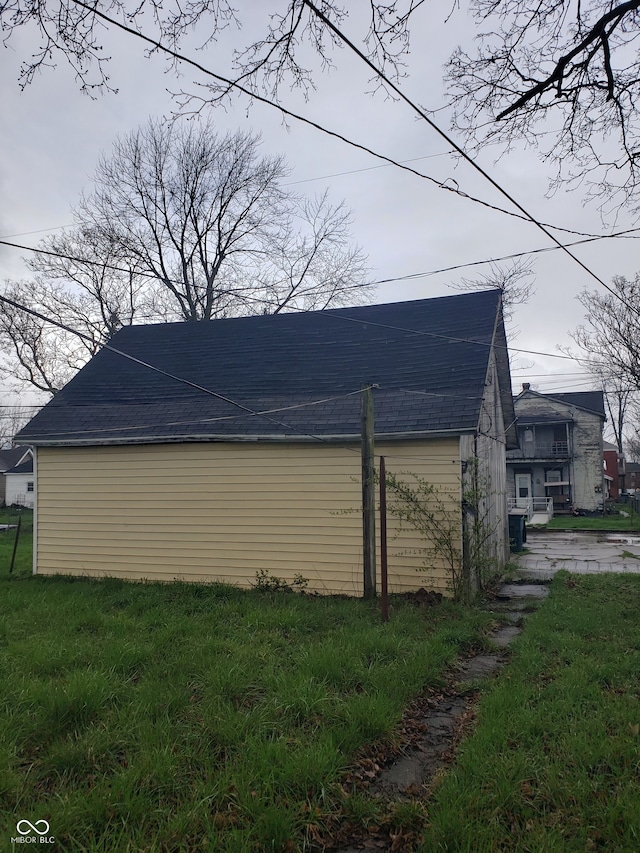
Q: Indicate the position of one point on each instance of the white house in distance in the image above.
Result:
(21, 484)
(17, 480)
(210, 451)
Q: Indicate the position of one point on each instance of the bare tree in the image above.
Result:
(619, 406)
(181, 225)
(559, 75)
(81, 282)
(574, 62)
(515, 282)
(12, 419)
(71, 29)
(205, 217)
(609, 341)
(37, 354)
(610, 351)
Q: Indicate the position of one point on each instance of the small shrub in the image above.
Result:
(266, 582)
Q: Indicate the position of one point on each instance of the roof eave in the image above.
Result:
(345, 438)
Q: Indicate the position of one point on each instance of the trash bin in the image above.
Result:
(517, 532)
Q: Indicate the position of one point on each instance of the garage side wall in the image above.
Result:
(222, 512)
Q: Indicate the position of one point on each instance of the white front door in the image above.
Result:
(523, 490)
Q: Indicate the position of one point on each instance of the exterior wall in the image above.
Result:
(489, 449)
(611, 464)
(583, 467)
(632, 477)
(614, 466)
(17, 489)
(222, 512)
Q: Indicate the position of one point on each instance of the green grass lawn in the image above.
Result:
(607, 522)
(554, 764)
(23, 562)
(145, 717)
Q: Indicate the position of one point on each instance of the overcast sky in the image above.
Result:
(52, 135)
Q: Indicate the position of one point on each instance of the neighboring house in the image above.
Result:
(560, 455)
(614, 470)
(252, 462)
(21, 484)
(632, 477)
(8, 460)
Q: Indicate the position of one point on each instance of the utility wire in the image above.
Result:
(296, 310)
(365, 169)
(196, 386)
(407, 277)
(153, 367)
(524, 214)
(450, 141)
(233, 84)
(204, 420)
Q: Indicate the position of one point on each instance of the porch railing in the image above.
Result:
(531, 506)
(542, 450)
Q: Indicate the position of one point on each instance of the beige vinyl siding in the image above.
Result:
(223, 511)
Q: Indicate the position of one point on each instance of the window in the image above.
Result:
(30, 486)
(555, 486)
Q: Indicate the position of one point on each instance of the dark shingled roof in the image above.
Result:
(429, 358)
(25, 467)
(11, 457)
(592, 401)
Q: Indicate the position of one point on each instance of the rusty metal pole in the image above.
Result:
(384, 597)
(15, 545)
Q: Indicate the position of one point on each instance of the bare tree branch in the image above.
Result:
(575, 65)
(181, 225)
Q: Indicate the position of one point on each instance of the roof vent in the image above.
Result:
(526, 386)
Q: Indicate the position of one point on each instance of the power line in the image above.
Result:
(365, 169)
(285, 184)
(213, 420)
(234, 84)
(205, 420)
(450, 141)
(224, 398)
(450, 338)
(264, 302)
(37, 231)
(372, 169)
(510, 257)
(375, 283)
(153, 367)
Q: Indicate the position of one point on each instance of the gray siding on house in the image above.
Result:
(488, 446)
(581, 464)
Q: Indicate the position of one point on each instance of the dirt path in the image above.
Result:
(431, 730)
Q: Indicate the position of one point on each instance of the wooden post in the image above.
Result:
(15, 544)
(384, 592)
(368, 496)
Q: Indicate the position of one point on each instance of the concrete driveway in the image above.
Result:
(584, 553)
